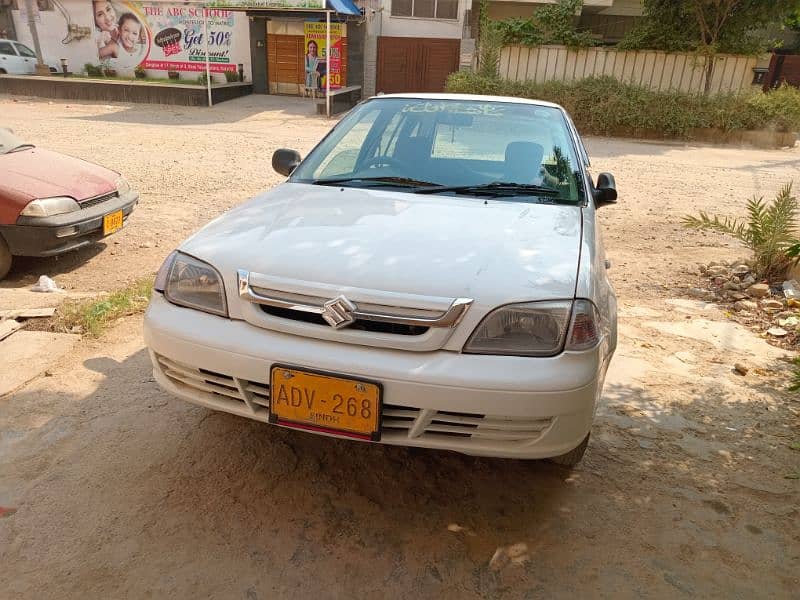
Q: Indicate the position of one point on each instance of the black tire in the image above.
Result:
(574, 456)
(5, 258)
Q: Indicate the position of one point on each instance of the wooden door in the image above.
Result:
(286, 63)
(415, 64)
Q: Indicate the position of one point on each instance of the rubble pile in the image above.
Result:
(772, 310)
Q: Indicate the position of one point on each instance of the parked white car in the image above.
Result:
(16, 58)
(430, 275)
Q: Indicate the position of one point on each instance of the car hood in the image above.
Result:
(38, 173)
(491, 251)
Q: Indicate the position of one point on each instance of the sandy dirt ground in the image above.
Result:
(111, 489)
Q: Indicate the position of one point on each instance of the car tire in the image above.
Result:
(574, 456)
(5, 258)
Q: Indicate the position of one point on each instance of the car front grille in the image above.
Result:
(368, 317)
(430, 422)
(249, 394)
(97, 200)
(358, 324)
(251, 399)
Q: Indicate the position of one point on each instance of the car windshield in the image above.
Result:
(25, 51)
(475, 147)
(9, 142)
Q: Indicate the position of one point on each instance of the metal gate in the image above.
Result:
(415, 64)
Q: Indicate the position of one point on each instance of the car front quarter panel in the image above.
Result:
(593, 282)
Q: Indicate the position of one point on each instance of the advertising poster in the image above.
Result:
(162, 36)
(316, 52)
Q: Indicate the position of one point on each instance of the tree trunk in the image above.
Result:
(710, 60)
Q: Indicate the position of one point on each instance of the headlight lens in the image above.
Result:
(48, 207)
(194, 284)
(123, 187)
(530, 329)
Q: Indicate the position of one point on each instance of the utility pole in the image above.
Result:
(41, 68)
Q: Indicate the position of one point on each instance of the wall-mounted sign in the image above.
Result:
(317, 51)
(163, 37)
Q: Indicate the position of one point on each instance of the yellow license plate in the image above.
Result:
(321, 402)
(112, 222)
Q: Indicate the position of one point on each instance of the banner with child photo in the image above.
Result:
(162, 37)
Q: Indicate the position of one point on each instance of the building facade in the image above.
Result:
(380, 45)
(608, 20)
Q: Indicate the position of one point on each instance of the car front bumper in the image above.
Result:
(500, 406)
(48, 236)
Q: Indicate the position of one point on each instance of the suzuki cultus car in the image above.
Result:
(430, 275)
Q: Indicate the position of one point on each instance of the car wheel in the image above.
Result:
(5, 258)
(574, 456)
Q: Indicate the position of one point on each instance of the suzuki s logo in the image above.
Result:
(338, 312)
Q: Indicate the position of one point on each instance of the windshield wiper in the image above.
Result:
(20, 147)
(401, 181)
(497, 188)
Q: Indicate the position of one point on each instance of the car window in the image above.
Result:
(451, 142)
(7, 49)
(24, 50)
(348, 147)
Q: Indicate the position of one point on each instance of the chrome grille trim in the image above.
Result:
(447, 319)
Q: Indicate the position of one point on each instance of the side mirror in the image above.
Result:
(285, 161)
(606, 190)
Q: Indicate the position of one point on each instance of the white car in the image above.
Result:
(431, 275)
(16, 58)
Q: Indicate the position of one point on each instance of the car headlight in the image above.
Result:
(538, 329)
(123, 187)
(187, 281)
(48, 207)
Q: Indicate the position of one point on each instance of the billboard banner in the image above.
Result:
(316, 53)
(162, 36)
(283, 4)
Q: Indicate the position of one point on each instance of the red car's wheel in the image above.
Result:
(5, 258)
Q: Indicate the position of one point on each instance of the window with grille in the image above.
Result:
(426, 9)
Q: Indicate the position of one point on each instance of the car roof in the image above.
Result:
(471, 97)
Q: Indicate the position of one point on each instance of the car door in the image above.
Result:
(27, 56)
(10, 61)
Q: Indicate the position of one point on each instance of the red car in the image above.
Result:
(51, 203)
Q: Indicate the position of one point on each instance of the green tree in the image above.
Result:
(709, 27)
(490, 43)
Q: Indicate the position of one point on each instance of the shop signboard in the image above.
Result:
(168, 37)
(316, 52)
(271, 4)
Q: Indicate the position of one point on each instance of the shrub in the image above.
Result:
(779, 108)
(93, 70)
(550, 24)
(606, 106)
(769, 232)
(231, 76)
